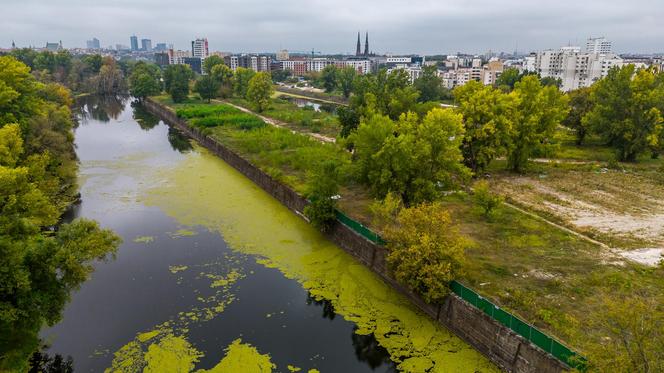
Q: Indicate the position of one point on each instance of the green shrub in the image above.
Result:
(426, 250)
(484, 198)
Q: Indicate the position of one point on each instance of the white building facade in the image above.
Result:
(573, 68)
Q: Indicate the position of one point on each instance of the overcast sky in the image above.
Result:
(396, 26)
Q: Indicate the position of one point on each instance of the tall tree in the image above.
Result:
(207, 87)
(625, 111)
(346, 77)
(144, 80)
(110, 80)
(176, 81)
(487, 115)
(429, 84)
(224, 76)
(329, 77)
(241, 81)
(538, 111)
(417, 159)
(580, 104)
(210, 62)
(260, 90)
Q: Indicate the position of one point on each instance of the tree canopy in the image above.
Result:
(176, 81)
(487, 116)
(37, 183)
(626, 111)
(417, 159)
(260, 90)
(538, 111)
(145, 80)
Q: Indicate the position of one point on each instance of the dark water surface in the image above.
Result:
(146, 285)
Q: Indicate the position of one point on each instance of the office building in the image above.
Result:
(133, 42)
(161, 47)
(93, 44)
(146, 45)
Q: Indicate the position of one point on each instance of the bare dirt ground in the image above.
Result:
(622, 209)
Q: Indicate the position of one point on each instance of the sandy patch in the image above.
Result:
(648, 256)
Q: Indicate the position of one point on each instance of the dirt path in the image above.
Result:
(276, 123)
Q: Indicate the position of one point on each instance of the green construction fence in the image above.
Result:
(520, 327)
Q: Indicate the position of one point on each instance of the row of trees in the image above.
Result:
(218, 81)
(625, 110)
(428, 85)
(41, 261)
(86, 74)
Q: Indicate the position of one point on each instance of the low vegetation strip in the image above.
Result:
(219, 115)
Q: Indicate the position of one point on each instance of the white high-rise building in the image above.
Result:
(573, 68)
(199, 48)
(598, 45)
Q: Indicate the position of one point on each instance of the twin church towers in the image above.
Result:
(358, 51)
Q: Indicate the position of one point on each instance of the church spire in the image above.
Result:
(358, 50)
(366, 44)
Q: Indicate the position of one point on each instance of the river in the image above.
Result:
(215, 274)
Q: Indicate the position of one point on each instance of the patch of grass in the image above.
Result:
(299, 119)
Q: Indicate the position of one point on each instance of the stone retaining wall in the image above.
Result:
(502, 346)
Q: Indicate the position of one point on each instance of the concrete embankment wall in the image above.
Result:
(502, 346)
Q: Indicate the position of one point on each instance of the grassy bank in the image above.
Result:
(548, 276)
(297, 118)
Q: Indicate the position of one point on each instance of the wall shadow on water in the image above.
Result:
(366, 347)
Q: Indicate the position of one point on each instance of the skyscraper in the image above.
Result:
(93, 44)
(134, 43)
(358, 50)
(146, 45)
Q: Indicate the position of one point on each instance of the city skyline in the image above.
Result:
(418, 27)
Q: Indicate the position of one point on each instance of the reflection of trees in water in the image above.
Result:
(102, 108)
(328, 308)
(144, 118)
(369, 351)
(178, 141)
(366, 347)
(42, 362)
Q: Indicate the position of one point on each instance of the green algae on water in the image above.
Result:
(242, 357)
(144, 239)
(182, 233)
(254, 223)
(176, 269)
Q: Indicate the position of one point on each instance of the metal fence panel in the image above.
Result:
(519, 326)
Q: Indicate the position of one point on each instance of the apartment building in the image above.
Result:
(199, 48)
(574, 68)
